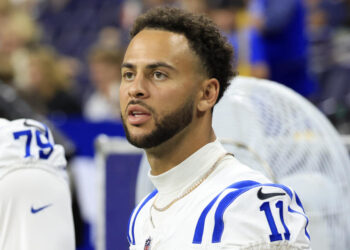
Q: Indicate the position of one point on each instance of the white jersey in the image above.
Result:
(235, 207)
(35, 202)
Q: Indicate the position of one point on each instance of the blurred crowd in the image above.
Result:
(63, 56)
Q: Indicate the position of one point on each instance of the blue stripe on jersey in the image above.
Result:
(299, 201)
(227, 200)
(307, 220)
(224, 203)
(150, 196)
(198, 234)
(303, 214)
(128, 236)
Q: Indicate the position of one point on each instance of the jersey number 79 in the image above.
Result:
(45, 147)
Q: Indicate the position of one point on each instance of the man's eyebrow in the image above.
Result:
(150, 66)
(127, 65)
(160, 64)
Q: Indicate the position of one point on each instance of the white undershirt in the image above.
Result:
(172, 183)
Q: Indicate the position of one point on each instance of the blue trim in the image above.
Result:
(150, 196)
(198, 234)
(128, 236)
(307, 220)
(299, 201)
(224, 203)
(302, 207)
(228, 199)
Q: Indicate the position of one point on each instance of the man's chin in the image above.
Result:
(138, 140)
(137, 136)
(144, 143)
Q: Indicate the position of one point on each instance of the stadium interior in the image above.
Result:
(60, 63)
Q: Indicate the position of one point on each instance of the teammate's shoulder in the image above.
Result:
(27, 142)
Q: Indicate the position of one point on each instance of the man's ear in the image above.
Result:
(209, 94)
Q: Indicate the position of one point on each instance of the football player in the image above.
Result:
(175, 69)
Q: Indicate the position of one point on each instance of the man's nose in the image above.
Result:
(138, 88)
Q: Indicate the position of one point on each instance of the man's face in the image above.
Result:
(160, 82)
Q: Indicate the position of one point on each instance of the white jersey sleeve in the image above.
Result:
(27, 142)
(265, 216)
(35, 202)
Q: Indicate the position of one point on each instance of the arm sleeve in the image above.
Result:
(275, 219)
(36, 211)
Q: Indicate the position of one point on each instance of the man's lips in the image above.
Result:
(137, 114)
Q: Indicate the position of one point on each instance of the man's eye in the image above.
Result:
(128, 76)
(159, 75)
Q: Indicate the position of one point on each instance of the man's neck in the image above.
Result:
(175, 150)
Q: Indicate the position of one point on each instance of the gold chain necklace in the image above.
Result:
(188, 190)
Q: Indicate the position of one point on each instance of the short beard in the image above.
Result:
(170, 125)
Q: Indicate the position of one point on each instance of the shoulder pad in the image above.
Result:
(258, 214)
(28, 142)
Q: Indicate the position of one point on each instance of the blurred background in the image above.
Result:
(60, 63)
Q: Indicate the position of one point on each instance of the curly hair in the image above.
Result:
(203, 36)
